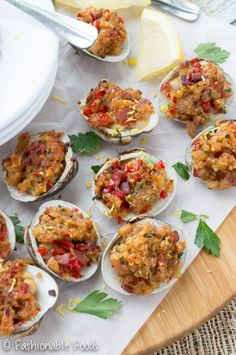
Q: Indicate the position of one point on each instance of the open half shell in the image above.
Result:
(188, 153)
(122, 136)
(46, 295)
(32, 246)
(11, 235)
(70, 170)
(173, 78)
(161, 204)
(109, 274)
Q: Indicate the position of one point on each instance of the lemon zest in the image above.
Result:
(59, 99)
(163, 108)
(88, 185)
(60, 310)
(143, 140)
(12, 285)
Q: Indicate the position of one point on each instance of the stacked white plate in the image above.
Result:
(28, 66)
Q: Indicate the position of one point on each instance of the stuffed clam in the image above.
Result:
(112, 44)
(118, 115)
(211, 156)
(63, 240)
(7, 236)
(133, 183)
(26, 294)
(195, 92)
(41, 165)
(144, 257)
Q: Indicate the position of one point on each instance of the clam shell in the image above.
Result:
(46, 300)
(125, 136)
(109, 274)
(162, 100)
(10, 231)
(188, 153)
(32, 247)
(161, 204)
(71, 169)
(109, 58)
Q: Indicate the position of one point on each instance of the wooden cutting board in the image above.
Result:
(207, 286)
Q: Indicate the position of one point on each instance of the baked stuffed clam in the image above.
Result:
(118, 115)
(7, 236)
(195, 92)
(133, 183)
(211, 156)
(41, 165)
(112, 44)
(144, 257)
(63, 240)
(26, 294)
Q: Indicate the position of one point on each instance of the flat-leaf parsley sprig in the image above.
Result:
(85, 143)
(97, 304)
(211, 52)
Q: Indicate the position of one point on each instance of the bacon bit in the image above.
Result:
(175, 99)
(52, 293)
(163, 194)
(49, 185)
(120, 221)
(58, 99)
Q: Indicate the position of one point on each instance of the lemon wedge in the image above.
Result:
(159, 48)
(112, 5)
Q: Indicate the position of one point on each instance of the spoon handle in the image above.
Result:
(78, 33)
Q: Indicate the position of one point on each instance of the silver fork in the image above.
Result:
(178, 8)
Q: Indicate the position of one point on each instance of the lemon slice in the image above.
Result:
(112, 5)
(159, 49)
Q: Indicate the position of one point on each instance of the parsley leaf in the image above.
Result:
(97, 304)
(212, 52)
(182, 170)
(96, 168)
(207, 238)
(187, 216)
(19, 230)
(87, 142)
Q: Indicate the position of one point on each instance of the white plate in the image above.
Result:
(29, 53)
(15, 127)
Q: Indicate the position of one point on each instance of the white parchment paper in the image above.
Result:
(76, 75)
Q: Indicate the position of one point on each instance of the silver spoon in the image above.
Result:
(78, 33)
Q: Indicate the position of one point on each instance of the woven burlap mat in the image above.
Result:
(216, 337)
